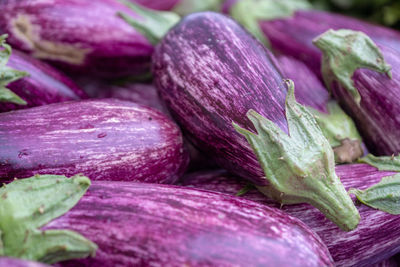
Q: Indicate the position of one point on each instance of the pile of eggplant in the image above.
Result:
(197, 133)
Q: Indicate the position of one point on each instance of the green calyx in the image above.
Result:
(185, 7)
(8, 75)
(300, 168)
(250, 12)
(382, 163)
(345, 51)
(384, 196)
(152, 24)
(341, 133)
(26, 205)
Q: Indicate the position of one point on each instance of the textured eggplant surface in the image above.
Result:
(376, 238)
(65, 33)
(137, 224)
(217, 71)
(11, 262)
(103, 139)
(293, 35)
(44, 85)
(377, 115)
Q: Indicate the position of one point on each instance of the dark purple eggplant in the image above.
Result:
(12, 262)
(290, 30)
(98, 42)
(335, 124)
(364, 80)
(103, 139)
(138, 224)
(42, 84)
(217, 79)
(376, 238)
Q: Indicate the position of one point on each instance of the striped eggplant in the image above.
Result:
(182, 7)
(103, 139)
(224, 78)
(41, 85)
(290, 29)
(137, 224)
(12, 262)
(364, 79)
(336, 125)
(376, 238)
(98, 42)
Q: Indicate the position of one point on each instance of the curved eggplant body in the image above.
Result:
(158, 4)
(65, 33)
(211, 72)
(44, 84)
(103, 139)
(376, 238)
(137, 224)
(11, 262)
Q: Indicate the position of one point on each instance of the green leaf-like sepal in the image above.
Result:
(250, 12)
(341, 132)
(8, 75)
(384, 196)
(300, 168)
(152, 24)
(186, 7)
(345, 51)
(382, 163)
(26, 205)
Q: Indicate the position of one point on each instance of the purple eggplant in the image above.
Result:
(42, 84)
(364, 79)
(103, 139)
(376, 238)
(291, 31)
(12, 262)
(146, 224)
(98, 42)
(336, 125)
(181, 7)
(216, 79)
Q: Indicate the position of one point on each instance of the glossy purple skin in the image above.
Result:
(376, 238)
(309, 90)
(138, 224)
(377, 117)
(11, 262)
(212, 67)
(158, 4)
(66, 34)
(44, 85)
(293, 35)
(102, 139)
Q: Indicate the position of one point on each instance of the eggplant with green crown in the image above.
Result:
(91, 37)
(364, 78)
(230, 88)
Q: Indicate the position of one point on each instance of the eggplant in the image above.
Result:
(181, 7)
(367, 88)
(137, 224)
(104, 139)
(290, 29)
(220, 74)
(376, 238)
(12, 262)
(335, 124)
(98, 42)
(41, 85)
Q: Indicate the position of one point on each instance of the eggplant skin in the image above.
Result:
(165, 5)
(217, 71)
(376, 238)
(44, 85)
(11, 262)
(64, 33)
(377, 115)
(136, 224)
(102, 139)
(293, 35)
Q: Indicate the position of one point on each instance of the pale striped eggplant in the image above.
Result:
(12, 262)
